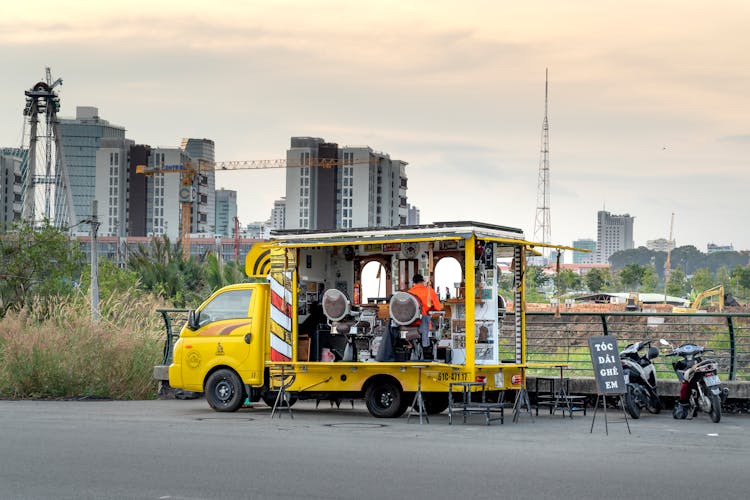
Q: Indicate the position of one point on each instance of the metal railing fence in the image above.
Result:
(564, 339)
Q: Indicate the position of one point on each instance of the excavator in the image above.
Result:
(717, 291)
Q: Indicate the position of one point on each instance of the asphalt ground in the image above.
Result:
(178, 449)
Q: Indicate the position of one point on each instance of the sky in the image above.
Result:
(648, 101)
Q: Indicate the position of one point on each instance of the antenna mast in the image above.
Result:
(542, 225)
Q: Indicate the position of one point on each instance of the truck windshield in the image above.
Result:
(228, 305)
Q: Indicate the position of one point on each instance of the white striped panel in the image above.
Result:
(282, 347)
(279, 290)
(282, 319)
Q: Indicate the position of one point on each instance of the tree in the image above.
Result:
(37, 263)
(688, 258)
(701, 280)
(632, 276)
(535, 280)
(164, 270)
(505, 283)
(568, 281)
(641, 256)
(597, 279)
(741, 280)
(723, 277)
(649, 280)
(113, 280)
(678, 285)
(218, 275)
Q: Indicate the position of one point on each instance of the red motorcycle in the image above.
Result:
(700, 388)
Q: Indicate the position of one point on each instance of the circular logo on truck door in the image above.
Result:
(194, 359)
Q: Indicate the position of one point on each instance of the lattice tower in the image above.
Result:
(542, 223)
(46, 192)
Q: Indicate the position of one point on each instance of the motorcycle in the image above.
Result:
(640, 378)
(700, 377)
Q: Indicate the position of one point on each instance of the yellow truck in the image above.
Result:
(303, 323)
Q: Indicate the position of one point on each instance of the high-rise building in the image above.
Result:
(111, 181)
(256, 231)
(137, 190)
(278, 214)
(714, 248)
(163, 193)
(660, 245)
(584, 257)
(203, 218)
(412, 217)
(367, 189)
(81, 138)
(226, 212)
(614, 233)
(12, 165)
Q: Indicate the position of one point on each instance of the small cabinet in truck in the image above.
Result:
(304, 321)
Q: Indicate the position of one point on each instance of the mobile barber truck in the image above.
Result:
(249, 339)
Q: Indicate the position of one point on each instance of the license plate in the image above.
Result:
(712, 380)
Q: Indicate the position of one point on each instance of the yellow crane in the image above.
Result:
(667, 263)
(189, 169)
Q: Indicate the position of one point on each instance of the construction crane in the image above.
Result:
(667, 263)
(236, 237)
(189, 169)
(195, 167)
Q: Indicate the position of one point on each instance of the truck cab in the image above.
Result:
(227, 330)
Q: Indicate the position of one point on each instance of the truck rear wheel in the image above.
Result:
(384, 399)
(224, 390)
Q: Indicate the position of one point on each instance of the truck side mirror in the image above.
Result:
(193, 319)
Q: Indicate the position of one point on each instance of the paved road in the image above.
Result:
(183, 450)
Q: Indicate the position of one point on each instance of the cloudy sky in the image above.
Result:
(648, 101)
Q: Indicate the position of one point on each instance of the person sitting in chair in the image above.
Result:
(429, 301)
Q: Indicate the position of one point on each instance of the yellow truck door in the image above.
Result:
(223, 335)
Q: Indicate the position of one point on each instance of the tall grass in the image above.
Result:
(53, 350)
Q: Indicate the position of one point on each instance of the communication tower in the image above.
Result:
(542, 225)
(46, 187)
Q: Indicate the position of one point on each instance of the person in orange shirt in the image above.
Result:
(429, 301)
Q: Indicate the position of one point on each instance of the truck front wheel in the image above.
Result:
(384, 399)
(224, 391)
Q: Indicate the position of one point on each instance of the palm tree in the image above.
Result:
(164, 270)
(218, 275)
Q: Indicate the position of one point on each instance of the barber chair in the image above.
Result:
(406, 311)
(344, 321)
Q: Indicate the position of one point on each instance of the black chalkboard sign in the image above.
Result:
(607, 369)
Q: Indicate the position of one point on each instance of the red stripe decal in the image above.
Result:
(277, 356)
(279, 303)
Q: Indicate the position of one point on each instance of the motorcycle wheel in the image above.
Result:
(715, 412)
(653, 405)
(631, 405)
(679, 411)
